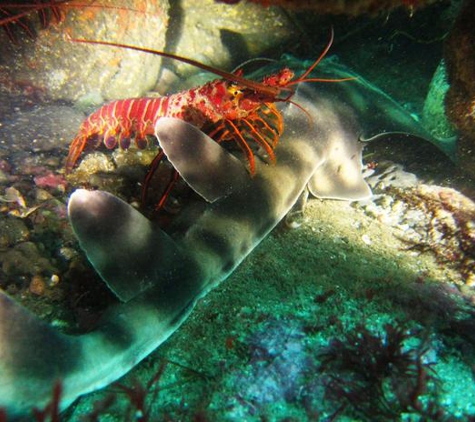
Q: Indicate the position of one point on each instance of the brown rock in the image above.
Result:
(12, 231)
(220, 35)
(37, 285)
(460, 101)
(66, 70)
(349, 7)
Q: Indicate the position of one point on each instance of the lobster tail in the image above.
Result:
(75, 150)
(116, 124)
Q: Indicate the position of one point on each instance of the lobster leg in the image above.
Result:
(150, 173)
(170, 186)
(279, 122)
(243, 145)
(10, 21)
(148, 178)
(229, 131)
(260, 140)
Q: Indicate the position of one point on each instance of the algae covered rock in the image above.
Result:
(12, 231)
(26, 259)
(433, 114)
(460, 101)
(349, 7)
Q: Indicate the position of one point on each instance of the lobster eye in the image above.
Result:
(234, 91)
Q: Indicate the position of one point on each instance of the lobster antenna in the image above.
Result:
(253, 60)
(303, 78)
(29, 8)
(264, 89)
(32, 7)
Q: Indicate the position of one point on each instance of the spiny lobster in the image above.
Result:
(231, 108)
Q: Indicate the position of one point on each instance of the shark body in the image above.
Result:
(159, 277)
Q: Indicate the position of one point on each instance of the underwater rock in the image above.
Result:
(275, 372)
(430, 218)
(12, 231)
(218, 35)
(351, 8)
(6, 105)
(65, 70)
(121, 172)
(96, 162)
(37, 285)
(460, 102)
(3, 177)
(26, 259)
(52, 181)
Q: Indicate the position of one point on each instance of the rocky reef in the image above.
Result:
(351, 8)
(460, 100)
(51, 64)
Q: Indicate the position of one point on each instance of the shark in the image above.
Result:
(159, 276)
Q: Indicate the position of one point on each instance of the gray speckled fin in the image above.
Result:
(209, 170)
(124, 247)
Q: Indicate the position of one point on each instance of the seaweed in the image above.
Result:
(52, 409)
(381, 377)
(449, 231)
(140, 398)
(139, 394)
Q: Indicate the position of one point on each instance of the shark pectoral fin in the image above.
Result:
(209, 170)
(125, 248)
(340, 174)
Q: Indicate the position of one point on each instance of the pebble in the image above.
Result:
(54, 280)
(37, 285)
(12, 231)
(366, 239)
(68, 253)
